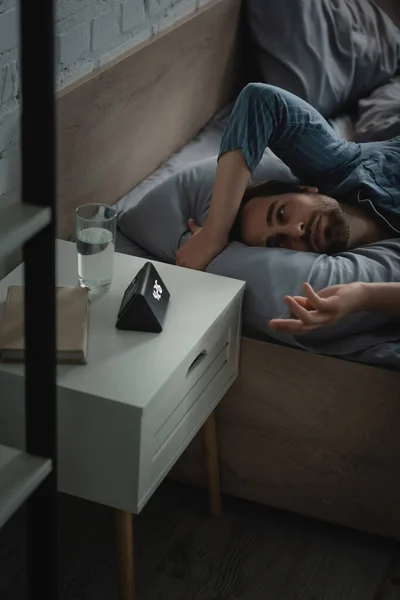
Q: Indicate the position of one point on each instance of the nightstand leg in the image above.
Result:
(211, 460)
(125, 564)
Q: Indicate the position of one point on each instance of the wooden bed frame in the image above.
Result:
(298, 431)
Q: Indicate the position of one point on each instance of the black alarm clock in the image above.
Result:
(145, 302)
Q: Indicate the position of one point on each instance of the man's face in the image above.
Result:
(299, 221)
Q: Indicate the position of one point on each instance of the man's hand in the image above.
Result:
(327, 307)
(200, 249)
(193, 227)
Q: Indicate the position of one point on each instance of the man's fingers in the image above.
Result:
(291, 326)
(299, 311)
(317, 302)
(308, 317)
(330, 291)
(180, 262)
(303, 302)
(312, 296)
(193, 227)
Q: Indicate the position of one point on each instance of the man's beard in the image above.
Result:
(337, 231)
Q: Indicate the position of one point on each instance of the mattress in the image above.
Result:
(204, 145)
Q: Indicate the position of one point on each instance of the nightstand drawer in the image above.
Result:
(205, 383)
(192, 395)
(194, 372)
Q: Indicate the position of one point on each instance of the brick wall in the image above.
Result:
(89, 33)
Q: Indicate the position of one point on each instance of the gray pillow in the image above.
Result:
(270, 274)
(158, 224)
(379, 114)
(329, 52)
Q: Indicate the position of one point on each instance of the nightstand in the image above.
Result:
(126, 416)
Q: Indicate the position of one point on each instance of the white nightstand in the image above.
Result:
(126, 417)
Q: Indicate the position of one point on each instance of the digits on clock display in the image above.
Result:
(157, 290)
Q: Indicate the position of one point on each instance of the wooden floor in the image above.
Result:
(251, 553)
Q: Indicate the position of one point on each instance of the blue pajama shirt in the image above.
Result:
(367, 175)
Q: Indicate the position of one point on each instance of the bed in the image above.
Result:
(297, 431)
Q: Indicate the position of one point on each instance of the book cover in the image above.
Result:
(72, 325)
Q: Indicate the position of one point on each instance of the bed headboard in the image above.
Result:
(166, 89)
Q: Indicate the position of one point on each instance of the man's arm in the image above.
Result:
(231, 180)
(266, 116)
(230, 184)
(381, 297)
(332, 304)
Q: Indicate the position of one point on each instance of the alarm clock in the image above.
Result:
(145, 302)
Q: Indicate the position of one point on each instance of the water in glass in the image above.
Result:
(95, 246)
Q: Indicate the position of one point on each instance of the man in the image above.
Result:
(350, 196)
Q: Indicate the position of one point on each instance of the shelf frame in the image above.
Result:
(20, 475)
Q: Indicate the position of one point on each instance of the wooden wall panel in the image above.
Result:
(117, 126)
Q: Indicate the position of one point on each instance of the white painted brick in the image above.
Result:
(89, 33)
(9, 55)
(6, 86)
(66, 8)
(8, 30)
(7, 5)
(86, 15)
(5, 168)
(9, 128)
(173, 14)
(71, 45)
(67, 75)
(133, 41)
(9, 83)
(59, 9)
(156, 7)
(169, 10)
(103, 30)
(132, 15)
(10, 156)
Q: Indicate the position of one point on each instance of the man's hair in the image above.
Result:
(257, 190)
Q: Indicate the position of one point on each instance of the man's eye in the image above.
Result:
(280, 214)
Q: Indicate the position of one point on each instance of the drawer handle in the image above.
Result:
(199, 358)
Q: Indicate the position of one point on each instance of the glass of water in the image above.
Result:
(96, 226)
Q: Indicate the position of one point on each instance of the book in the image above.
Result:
(72, 325)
